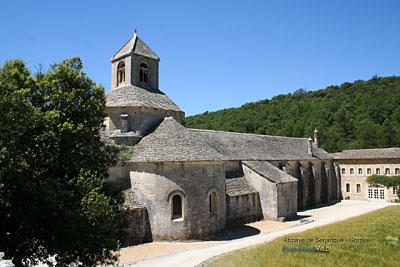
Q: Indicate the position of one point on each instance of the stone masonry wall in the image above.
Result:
(267, 192)
(361, 178)
(139, 229)
(156, 183)
(287, 200)
(243, 209)
(140, 120)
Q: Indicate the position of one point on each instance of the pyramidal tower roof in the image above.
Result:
(135, 46)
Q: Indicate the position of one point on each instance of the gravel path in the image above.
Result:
(194, 253)
(156, 249)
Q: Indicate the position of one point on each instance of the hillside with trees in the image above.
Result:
(362, 114)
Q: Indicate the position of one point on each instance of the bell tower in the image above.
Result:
(135, 64)
(135, 105)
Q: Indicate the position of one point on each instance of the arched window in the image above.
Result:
(212, 202)
(176, 207)
(120, 73)
(144, 73)
(347, 188)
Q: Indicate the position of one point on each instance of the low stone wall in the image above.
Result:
(139, 229)
(243, 209)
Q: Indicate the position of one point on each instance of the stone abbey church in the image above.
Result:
(183, 183)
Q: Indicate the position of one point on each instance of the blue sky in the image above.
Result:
(214, 54)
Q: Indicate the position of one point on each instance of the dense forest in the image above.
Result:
(362, 114)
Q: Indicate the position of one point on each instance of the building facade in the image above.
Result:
(356, 165)
(183, 183)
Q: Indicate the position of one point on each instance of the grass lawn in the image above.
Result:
(381, 228)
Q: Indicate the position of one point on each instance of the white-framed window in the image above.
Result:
(395, 190)
(369, 171)
(370, 193)
(351, 171)
(382, 194)
(348, 188)
(378, 171)
(360, 171)
(343, 171)
(387, 170)
(358, 186)
(397, 171)
(376, 191)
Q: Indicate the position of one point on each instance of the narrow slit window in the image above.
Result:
(213, 204)
(176, 207)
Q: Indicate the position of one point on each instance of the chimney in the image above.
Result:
(316, 137)
(310, 146)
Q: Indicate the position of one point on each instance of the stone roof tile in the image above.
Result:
(131, 200)
(375, 153)
(133, 96)
(134, 46)
(238, 186)
(270, 172)
(172, 142)
(242, 146)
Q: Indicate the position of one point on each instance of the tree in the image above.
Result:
(53, 165)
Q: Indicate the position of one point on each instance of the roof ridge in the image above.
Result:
(134, 44)
(256, 169)
(137, 51)
(365, 149)
(251, 134)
